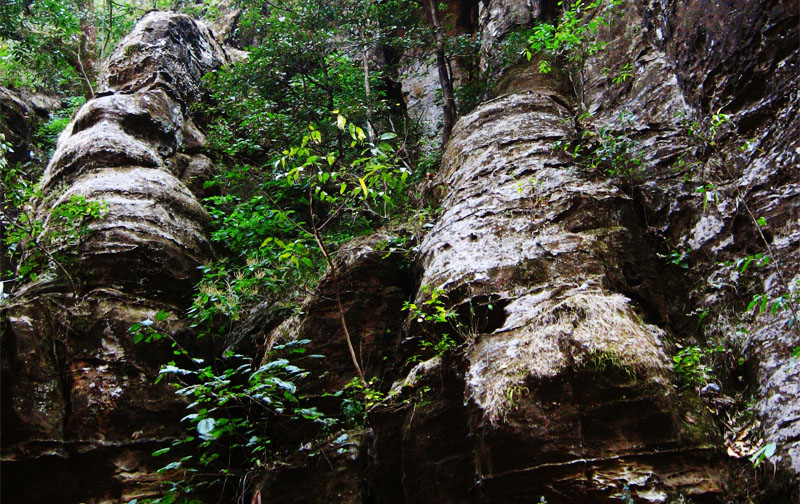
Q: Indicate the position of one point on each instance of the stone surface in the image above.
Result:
(419, 82)
(753, 74)
(567, 313)
(21, 113)
(565, 387)
(559, 251)
(419, 77)
(78, 395)
(373, 285)
(327, 471)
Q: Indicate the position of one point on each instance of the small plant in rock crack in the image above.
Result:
(677, 257)
(763, 303)
(764, 453)
(514, 393)
(234, 409)
(357, 399)
(612, 153)
(432, 312)
(145, 330)
(626, 495)
(707, 136)
(624, 73)
(43, 244)
(692, 364)
(570, 42)
(621, 74)
(572, 37)
(709, 194)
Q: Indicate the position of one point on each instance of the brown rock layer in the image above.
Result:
(79, 399)
(564, 386)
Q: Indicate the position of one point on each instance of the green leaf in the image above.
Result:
(764, 453)
(205, 428)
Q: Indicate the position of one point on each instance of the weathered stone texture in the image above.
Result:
(78, 395)
(562, 385)
(565, 387)
(21, 113)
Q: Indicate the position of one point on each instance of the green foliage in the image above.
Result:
(57, 45)
(431, 313)
(622, 74)
(309, 61)
(271, 234)
(604, 360)
(605, 151)
(357, 399)
(514, 393)
(44, 243)
(48, 133)
(763, 303)
(432, 309)
(277, 231)
(144, 330)
(693, 364)
(573, 39)
(709, 194)
(679, 258)
(627, 496)
(764, 453)
(40, 38)
(234, 405)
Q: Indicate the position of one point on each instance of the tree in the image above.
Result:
(58, 45)
(445, 79)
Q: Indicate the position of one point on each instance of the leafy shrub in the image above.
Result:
(604, 151)
(234, 407)
(571, 40)
(692, 364)
(432, 313)
(48, 133)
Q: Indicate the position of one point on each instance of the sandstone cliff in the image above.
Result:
(78, 397)
(562, 384)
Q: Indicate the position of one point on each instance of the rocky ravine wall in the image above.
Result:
(80, 413)
(565, 387)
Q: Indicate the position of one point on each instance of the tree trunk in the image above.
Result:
(445, 79)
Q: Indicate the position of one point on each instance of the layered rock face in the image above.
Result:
(563, 385)
(20, 115)
(79, 403)
(570, 391)
(743, 59)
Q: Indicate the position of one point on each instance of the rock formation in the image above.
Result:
(79, 402)
(20, 115)
(562, 383)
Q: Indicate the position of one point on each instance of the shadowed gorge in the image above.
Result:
(587, 295)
